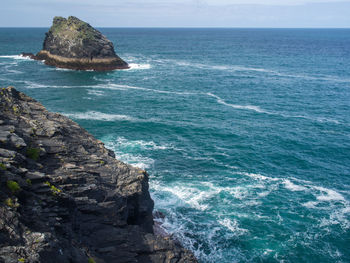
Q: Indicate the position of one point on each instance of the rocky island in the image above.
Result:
(65, 198)
(74, 44)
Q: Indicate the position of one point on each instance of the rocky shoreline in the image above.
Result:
(73, 44)
(65, 198)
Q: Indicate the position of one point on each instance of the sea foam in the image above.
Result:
(17, 57)
(94, 115)
(135, 66)
(236, 106)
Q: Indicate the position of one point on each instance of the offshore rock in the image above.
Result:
(74, 44)
(65, 198)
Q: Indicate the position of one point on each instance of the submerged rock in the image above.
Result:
(65, 198)
(74, 44)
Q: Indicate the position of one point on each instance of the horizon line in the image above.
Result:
(188, 27)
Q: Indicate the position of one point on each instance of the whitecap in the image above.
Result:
(94, 115)
(145, 145)
(113, 86)
(260, 110)
(136, 160)
(259, 176)
(96, 92)
(192, 196)
(328, 194)
(236, 106)
(233, 226)
(237, 192)
(293, 187)
(62, 69)
(135, 66)
(17, 57)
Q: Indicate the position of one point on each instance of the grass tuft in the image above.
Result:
(33, 153)
(13, 186)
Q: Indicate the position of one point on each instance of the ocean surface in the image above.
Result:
(245, 132)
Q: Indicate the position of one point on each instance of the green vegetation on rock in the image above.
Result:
(13, 186)
(53, 188)
(91, 260)
(3, 166)
(33, 153)
(62, 26)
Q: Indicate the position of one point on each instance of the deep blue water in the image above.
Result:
(245, 132)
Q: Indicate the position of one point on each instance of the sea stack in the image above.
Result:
(74, 44)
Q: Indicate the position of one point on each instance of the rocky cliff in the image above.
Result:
(65, 198)
(73, 44)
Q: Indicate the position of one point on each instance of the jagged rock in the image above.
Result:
(65, 198)
(74, 44)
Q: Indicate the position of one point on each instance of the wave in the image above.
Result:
(139, 144)
(123, 87)
(214, 67)
(136, 160)
(240, 68)
(61, 69)
(17, 57)
(332, 202)
(293, 187)
(96, 92)
(189, 195)
(135, 66)
(260, 110)
(328, 194)
(113, 86)
(233, 226)
(236, 106)
(95, 115)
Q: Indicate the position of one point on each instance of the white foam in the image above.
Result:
(259, 176)
(17, 57)
(233, 226)
(236, 106)
(139, 161)
(146, 145)
(113, 86)
(62, 69)
(237, 192)
(136, 66)
(293, 187)
(96, 92)
(231, 68)
(310, 204)
(260, 110)
(328, 194)
(315, 119)
(94, 115)
(189, 195)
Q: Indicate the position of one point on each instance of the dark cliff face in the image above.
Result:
(65, 198)
(73, 38)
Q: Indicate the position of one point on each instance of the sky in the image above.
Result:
(180, 13)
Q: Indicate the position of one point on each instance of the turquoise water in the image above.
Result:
(245, 133)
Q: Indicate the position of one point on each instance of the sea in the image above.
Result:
(245, 133)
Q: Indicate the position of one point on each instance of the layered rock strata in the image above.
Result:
(65, 198)
(74, 44)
